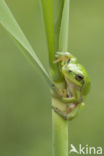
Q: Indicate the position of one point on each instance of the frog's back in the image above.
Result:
(87, 84)
(86, 88)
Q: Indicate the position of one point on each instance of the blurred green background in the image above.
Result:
(25, 114)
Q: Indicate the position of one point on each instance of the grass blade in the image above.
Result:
(58, 9)
(52, 13)
(47, 12)
(64, 30)
(8, 21)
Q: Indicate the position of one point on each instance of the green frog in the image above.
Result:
(77, 85)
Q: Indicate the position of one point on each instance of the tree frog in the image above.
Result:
(76, 84)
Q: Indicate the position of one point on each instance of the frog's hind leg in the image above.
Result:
(59, 112)
(75, 112)
(65, 114)
(71, 112)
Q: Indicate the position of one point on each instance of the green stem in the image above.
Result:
(60, 126)
(60, 132)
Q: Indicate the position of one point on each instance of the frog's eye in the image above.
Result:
(69, 71)
(79, 77)
(68, 60)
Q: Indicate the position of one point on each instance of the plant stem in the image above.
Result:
(60, 126)
(60, 132)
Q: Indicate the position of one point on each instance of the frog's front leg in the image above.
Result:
(61, 94)
(76, 98)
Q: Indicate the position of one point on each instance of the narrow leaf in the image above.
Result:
(58, 9)
(8, 21)
(47, 11)
(64, 30)
(52, 14)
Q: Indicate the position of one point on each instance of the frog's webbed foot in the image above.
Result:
(59, 93)
(63, 92)
(62, 57)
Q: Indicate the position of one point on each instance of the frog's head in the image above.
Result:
(76, 74)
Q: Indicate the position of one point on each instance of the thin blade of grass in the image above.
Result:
(47, 12)
(8, 21)
(64, 30)
(52, 13)
(58, 9)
